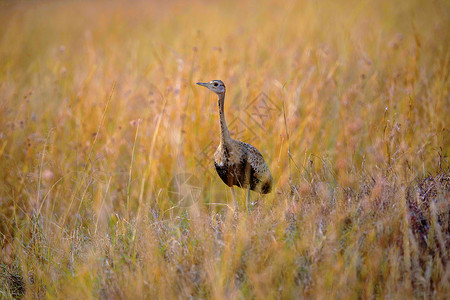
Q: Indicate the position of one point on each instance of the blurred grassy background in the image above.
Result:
(99, 111)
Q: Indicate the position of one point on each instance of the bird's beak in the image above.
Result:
(202, 83)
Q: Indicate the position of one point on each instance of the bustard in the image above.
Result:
(236, 162)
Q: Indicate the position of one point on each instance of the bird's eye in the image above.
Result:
(216, 84)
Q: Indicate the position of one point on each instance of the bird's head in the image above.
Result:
(216, 86)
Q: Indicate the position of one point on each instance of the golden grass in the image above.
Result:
(347, 100)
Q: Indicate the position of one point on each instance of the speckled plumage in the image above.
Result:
(241, 164)
(236, 162)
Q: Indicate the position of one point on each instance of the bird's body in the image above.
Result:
(236, 162)
(241, 164)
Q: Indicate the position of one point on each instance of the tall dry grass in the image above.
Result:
(347, 100)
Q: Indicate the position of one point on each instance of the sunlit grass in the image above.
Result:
(99, 111)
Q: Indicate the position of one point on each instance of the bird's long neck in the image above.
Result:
(224, 133)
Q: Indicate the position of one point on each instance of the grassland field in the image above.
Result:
(107, 186)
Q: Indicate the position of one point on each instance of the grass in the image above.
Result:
(100, 116)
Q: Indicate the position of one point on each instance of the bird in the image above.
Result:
(238, 163)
